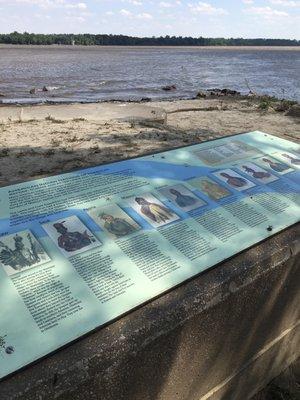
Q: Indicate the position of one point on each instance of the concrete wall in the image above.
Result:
(222, 335)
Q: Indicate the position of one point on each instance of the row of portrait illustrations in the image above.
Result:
(236, 149)
(21, 251)
(235, 180)
(261, 169)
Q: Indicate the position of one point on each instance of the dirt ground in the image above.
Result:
(35, 148)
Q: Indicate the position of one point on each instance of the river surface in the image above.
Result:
(90, 74)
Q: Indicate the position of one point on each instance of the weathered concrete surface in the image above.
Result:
(284, 386)
(222, 335)
(96, 112)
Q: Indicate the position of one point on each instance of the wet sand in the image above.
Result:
(41, 140)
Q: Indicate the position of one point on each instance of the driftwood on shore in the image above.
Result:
(262, 101)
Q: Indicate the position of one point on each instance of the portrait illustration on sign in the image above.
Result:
(182, 197)
(71, 236)
(114, 221)
(289, 158)
(210, 188)
(274, 165)
(232, 151)
(234, 179)
(21, 251)
(152, 210)
(256, 172)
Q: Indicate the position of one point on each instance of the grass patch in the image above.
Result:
(4, 152)
(285, 105)
(26, 121)
(49, 152)
(267, 102)
(67, 150)
(79, 119)
(55, 142)
(54, 120)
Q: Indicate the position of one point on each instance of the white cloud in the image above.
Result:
(285, 3)
(133, 2)
(125, 13)
(40, 16)
(206, 8)
(266, 12)
(41, 3)
(109, 13)
(79, 6)
(71, 18)
(129, 14)
(50, 4)
(144, 16)
(248, 1)
(165, 4)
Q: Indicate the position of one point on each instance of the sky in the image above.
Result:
(214, 18)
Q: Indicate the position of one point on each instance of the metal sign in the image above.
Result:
(80, 249)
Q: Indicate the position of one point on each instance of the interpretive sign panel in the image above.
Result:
(80, 249)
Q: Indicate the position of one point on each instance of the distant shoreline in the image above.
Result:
(81, 47)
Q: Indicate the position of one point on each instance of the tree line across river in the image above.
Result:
(122, 40)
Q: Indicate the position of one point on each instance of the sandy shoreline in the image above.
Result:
(38, 141)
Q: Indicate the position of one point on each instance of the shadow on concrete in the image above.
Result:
(286, 386)
(187, 349)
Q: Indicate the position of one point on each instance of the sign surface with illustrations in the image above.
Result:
(80, 249)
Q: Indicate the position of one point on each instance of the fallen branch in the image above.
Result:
(161, 127)
(216, 108)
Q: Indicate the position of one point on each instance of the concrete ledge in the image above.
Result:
(222, 335)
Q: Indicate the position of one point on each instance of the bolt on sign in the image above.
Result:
(80, 249)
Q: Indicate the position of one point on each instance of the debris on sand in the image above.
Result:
(169, 88)
(202, 94)
(216, 92)
(261, 101)
(49, 88)
(44, 89)
(294, 111)
(229, 92)
(269, 103)
(145, 100)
